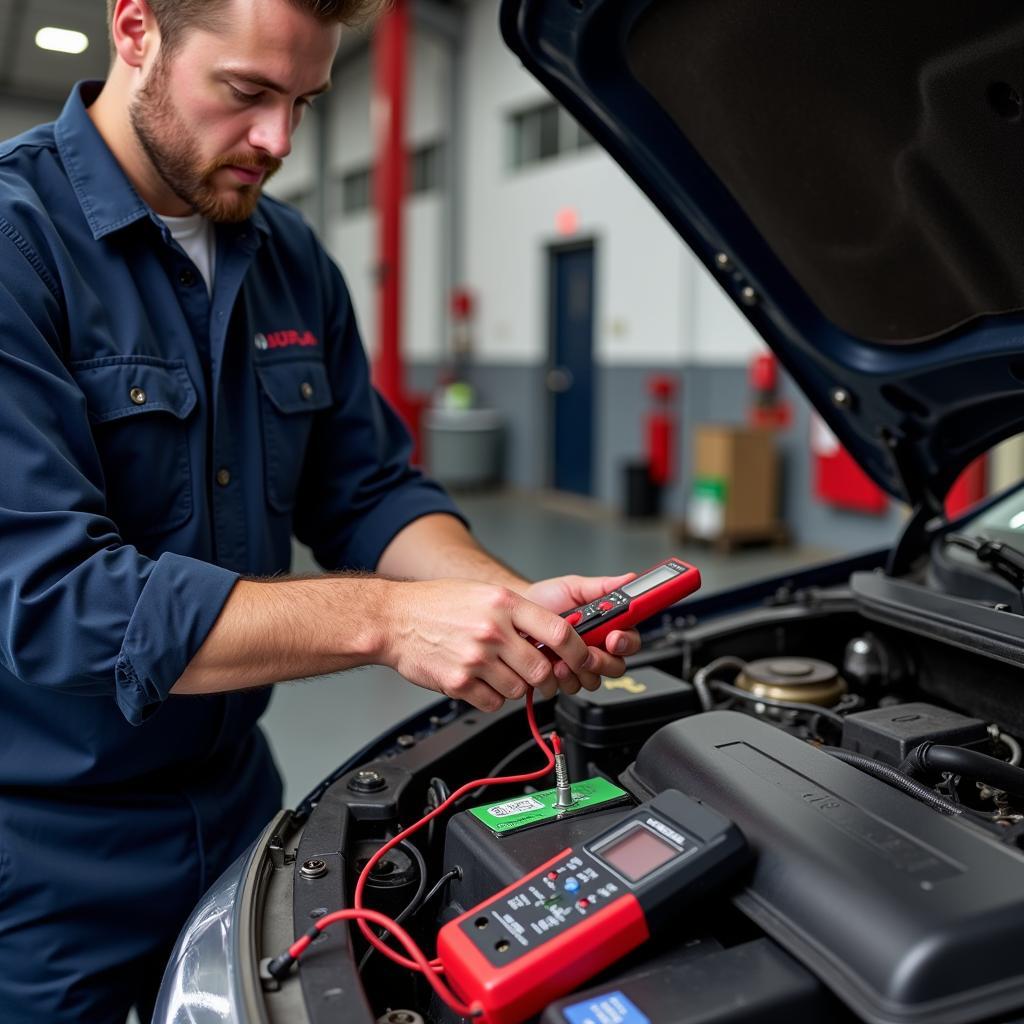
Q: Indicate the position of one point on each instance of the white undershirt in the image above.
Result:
(196, 236)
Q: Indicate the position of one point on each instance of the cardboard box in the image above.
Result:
(735, 490)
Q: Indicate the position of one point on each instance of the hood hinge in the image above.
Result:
(926, 506)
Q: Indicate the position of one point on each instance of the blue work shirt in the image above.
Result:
(158, 443)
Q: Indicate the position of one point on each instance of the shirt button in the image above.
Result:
(187, 277)
(138, 396)
(223, 477)
(306, 390)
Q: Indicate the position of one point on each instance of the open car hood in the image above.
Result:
(852, 172)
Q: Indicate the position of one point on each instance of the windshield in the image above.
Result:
(1004, 521)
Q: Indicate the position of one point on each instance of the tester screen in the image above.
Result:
(637, 853)
(652, 579)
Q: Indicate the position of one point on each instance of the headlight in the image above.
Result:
(198, 984)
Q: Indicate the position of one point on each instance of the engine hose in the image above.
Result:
(786, 705)
(702, 675)
(934, 758)
(896, 778)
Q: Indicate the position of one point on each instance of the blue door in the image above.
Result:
(570, 376)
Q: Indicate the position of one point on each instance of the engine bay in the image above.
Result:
(872, 766)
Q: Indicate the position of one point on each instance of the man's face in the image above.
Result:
(216, 116)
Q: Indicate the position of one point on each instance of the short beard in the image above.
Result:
(173, 151)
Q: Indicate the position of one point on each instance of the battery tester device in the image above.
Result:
(586, 908)
(659, 587)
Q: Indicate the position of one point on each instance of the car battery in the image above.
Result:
(490, 860)
(603, 730)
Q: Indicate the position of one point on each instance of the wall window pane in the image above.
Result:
(547, 130)
(543, 133)
(426, 169)
(356, 190)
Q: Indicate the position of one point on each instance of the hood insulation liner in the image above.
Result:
(878, 147)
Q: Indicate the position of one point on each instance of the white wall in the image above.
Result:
(352, 240)
(656, 305)
(510, 221)
(719, 333)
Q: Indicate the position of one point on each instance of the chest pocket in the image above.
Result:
(292, 391)
(138, 406)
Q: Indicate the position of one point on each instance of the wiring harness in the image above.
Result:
(416, 960)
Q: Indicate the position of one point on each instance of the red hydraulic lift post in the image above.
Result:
(390, 59)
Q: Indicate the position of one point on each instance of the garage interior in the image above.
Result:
(591, 412)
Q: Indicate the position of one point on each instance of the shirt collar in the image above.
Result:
(107, 197)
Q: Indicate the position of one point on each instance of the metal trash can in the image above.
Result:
(464, 446)
(641, 495)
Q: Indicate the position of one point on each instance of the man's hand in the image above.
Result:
(477, 642)
(565, 592)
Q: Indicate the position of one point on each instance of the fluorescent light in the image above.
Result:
(62, 40)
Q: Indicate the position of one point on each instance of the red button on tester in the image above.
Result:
(575, 618)
(553, 876)
(605, 606)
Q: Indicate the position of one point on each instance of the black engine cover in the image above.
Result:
(907, 915)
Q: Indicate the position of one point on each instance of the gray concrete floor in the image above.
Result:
(314, 725)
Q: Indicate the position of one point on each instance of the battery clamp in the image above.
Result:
(580, 912)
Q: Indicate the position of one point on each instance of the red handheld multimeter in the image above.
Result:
(660, 586)
(546, 934)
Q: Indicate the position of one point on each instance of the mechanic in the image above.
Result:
(185, 388)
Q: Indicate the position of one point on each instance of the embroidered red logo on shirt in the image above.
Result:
(286, 339)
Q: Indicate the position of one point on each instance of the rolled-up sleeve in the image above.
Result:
(177, 606)
(80, 611)
(358, 489)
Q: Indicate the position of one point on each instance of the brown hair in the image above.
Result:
(175, 17)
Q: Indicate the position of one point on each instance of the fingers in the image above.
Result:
(610, 583)
(476, 692)
(589, 588)
(622, 642)
(600, 663)
(504, 680)
(554, 632)
(547, 690)
(587, 677)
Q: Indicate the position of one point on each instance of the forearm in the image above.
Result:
(468, 639)
(271, 631)
(439, 547)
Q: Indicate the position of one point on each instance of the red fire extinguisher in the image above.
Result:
(661, 429)
(767, 409)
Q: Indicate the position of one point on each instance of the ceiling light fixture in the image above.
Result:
(61, 40)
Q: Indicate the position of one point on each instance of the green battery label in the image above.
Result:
(536, 808)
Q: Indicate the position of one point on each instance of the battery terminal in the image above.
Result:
(565, 797)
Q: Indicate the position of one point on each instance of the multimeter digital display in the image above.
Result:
(657, 588)
(637, 853)
(649, 580)
(573, 916)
